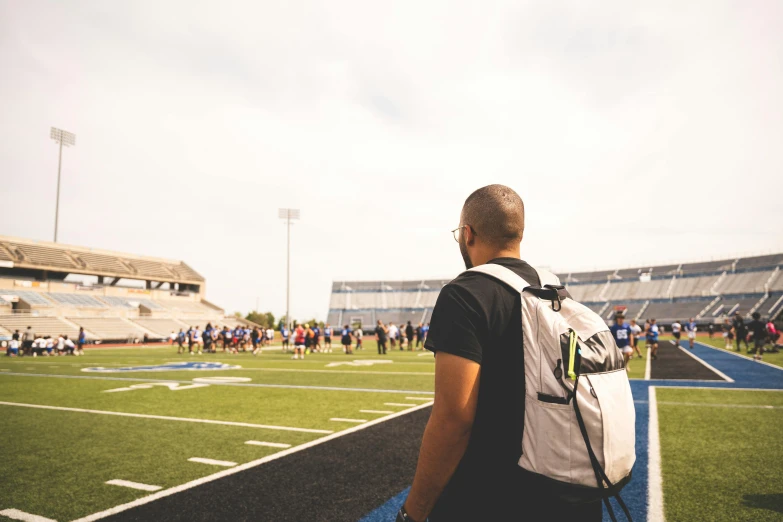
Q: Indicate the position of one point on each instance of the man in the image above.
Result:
(711, 330)
(772, 333)
(676, 328)
(636, 330)
(409, 336)
(299, 342)
(80, 340)
(691, 329)
(467, 468)
(270, 336)
(358, 334)
(623, 337)
(652, 338)
(392, 335)
(328, 338)
(309, 343)
(381, 333)
(728, 334)
(425, 330)
(346, 339)
(740, 331)
(758, 329)
(27, 341)
(256, 336)
(316, 338)
(284, 336)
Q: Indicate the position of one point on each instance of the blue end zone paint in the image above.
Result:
(746, 374)
(388, 511)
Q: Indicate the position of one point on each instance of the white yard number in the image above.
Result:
(200, 382)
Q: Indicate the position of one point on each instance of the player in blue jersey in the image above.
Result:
(690, 327)
(346, 339)
(316, 347)
(623, 336)
(327, 338)
(652, 338)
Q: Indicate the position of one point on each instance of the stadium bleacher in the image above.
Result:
(52, 326)
(109, 328)
(36, 299)
(161, 326)
(76, 300)
(667, 292)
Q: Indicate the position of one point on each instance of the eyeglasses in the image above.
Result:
(455, 232)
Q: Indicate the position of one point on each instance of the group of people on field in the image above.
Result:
(307, 339)
(627, 335)
(30, 343)
(757, 330)
(241, 338)
(413, 336)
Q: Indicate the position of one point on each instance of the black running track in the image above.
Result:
(673, 363)
(340, 480)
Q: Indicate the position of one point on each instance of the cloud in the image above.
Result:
(635, 134)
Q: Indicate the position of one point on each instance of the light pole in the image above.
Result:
(65, 139)
(289, 214)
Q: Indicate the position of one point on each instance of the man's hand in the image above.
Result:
(448, 431)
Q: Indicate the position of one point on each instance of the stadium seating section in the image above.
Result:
(39, 254)
(35, 291)
(707, 291)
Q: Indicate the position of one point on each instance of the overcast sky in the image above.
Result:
(636, 134)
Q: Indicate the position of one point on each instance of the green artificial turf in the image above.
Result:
(55, 463)
(721, 463)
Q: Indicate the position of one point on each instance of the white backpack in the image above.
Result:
(579, 413)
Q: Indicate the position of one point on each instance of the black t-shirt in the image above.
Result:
(739, 325)
(409, 331)
(479, 318)
(759, 329)
(381, 333)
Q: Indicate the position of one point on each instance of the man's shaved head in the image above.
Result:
(496, 214)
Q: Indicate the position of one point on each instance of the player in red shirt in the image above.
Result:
(299, 342)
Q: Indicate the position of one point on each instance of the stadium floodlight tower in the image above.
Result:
(289, 214)
(65, 139)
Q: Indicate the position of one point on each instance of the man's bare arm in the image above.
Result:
(448, 431)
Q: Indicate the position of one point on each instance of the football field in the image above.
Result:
(145, 434)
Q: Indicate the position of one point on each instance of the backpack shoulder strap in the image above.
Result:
(547, 277)
(503, 274)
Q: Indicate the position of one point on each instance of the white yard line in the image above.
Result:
(740, 356)
(212, 462)
(647, 366)
(21, 515)
(239, 384)
(242, 467)
(164, 417)
(267, 444)
(398, 404)
(654, 477)
(340, 419)
(711, 405)
(133, 485)
(721, 388)
(384, 412)
(349, 372)
(707, 365)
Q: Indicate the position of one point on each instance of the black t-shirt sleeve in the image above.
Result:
(457, 326)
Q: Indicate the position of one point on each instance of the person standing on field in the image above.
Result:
(409, 335)
(468, 462)
(381, 334)
(636, 330)
(740, 331)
